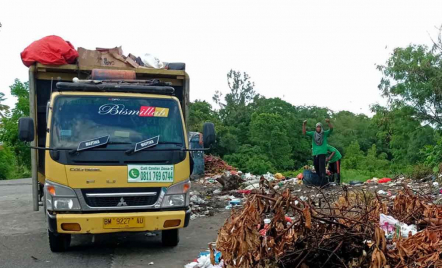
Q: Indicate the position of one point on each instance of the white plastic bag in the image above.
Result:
(191, 265)
(388, 223)
(406, 229)
(151, 61)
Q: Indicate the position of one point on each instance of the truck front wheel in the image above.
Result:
(170, 238)
(59, 242)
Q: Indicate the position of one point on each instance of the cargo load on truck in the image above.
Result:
(53, 50)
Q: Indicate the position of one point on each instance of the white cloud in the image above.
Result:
(307, 52)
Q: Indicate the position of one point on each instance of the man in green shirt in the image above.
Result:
(319, 146)
(334, 162)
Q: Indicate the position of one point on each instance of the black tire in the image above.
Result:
(170, 238)
(59, 242)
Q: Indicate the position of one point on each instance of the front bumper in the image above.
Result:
(93, 223)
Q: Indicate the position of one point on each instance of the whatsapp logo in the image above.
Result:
(134, 173)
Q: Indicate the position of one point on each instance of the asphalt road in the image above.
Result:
(24, 242)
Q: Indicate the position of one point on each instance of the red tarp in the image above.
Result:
(50, 50)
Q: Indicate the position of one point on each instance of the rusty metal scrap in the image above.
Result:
(334, 230)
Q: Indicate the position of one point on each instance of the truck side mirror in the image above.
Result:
(26, 129)
(208, 134)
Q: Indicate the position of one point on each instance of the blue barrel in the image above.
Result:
(313, 179)
(197, 156)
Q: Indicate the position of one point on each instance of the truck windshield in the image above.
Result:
(125, 120)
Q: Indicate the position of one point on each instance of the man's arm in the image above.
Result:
(330, 157)
(329, 124)
(303, 127)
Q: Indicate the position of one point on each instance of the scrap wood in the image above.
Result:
(231, 182)
(314, 238)
(340, 230)
(420, 250)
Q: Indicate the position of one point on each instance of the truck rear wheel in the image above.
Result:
(59, 242)
(170, 238)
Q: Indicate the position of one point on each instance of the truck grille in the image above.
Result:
(121, 197)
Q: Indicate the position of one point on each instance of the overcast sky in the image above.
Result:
(306, 52)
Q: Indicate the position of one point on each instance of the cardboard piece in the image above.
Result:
(132, 62)
(102, 57)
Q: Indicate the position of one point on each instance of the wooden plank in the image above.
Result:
(56, 76)
(75, 68)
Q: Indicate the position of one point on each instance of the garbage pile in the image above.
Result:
(214, 165)
(208, 198)
(217, 191)
(223, 189)
(205, 202)
(210, 258)
(278, 228)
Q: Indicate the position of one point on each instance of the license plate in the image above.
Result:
(123, 222)
(150, 173)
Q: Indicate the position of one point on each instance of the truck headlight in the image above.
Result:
(60, 198)
(177, 195)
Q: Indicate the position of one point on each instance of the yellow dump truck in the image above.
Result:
(109, 150)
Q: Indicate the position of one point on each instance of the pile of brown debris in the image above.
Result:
(279, 229)
(214, 165)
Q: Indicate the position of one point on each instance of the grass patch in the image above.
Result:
(348, 175)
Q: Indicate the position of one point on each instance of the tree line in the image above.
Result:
(258, 134)
(15, 156)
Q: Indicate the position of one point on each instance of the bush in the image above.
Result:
(6, 164)
(433, 156)
(420, 171)
(250, 159)
(259, 165)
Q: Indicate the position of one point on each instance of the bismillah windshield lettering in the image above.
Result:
(116, 109)
(120, 109)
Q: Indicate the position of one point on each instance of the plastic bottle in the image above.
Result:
(265, 229)
(267, 222)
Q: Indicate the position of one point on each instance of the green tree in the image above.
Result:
(353, 156)
(252, 159)
(9, 130)
(3, 107)
(351, 127)
(201, 112)
(226, 140)
(234, 113)
(374, 162)
(300, 147)
(412, 76)
(241, 93)
(400, 134)
(433, 156)
(269, 132)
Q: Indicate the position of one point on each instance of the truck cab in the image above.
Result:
(110, 151)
